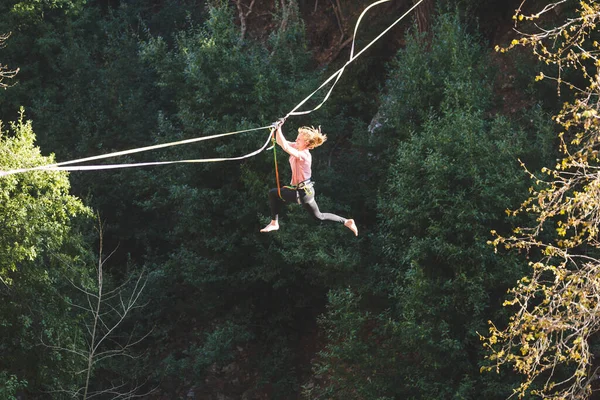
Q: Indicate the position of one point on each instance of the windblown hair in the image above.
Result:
(313, 136)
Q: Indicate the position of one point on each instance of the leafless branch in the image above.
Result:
(243, 15)
(105, 310)
(5, 71)
(339, 17)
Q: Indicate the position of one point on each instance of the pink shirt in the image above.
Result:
(301, 166)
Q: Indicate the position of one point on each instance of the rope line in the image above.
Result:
(53, 167)
(60, 166)
(336, 75)
(353, 57)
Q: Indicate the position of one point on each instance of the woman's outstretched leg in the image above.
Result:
(312, 207)
(275, 203)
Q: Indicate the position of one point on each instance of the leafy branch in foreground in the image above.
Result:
(556, 310)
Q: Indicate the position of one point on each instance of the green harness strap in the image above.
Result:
(275, 159)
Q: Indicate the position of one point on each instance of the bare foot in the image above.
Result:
(273, 226)
(352, 226)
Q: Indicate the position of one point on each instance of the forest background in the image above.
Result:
(155, 282)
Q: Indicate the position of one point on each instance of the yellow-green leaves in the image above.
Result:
(35, 207)
(556, 307)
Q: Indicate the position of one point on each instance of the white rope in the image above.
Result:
(60, 166)
(353, 57)
(132, 165)
(337, 75)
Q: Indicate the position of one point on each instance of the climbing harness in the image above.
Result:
(306, 185)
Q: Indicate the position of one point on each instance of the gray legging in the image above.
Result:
(292, 195)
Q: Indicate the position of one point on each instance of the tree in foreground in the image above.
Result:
(555, 319)
(62, 323)
(103, 308)
(37, 231)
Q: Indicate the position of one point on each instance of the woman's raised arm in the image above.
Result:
(285, 145)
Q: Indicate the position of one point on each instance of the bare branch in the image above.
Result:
(5, 71)
(103, 319)
(339, 17)
(243, 15)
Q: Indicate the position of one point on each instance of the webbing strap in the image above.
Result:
(275, 159)
(336, 76)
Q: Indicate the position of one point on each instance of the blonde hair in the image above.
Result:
(313, 136)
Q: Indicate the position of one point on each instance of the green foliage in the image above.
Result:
(451, 177)
(208, 260)
(424, 188)
(9, 385)
(218, 345)
(217, 349)
(36, 8)
(452, 73)
(39, 248)
(354, 353)
(449, 183)
(36, 206)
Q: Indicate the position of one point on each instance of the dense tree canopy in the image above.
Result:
(430, 261)
(425, 133)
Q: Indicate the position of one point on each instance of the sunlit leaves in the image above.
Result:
(36, 206)
(556, 308)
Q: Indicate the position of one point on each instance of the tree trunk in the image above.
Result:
(423, 14)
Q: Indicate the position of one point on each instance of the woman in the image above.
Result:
(302, 189)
